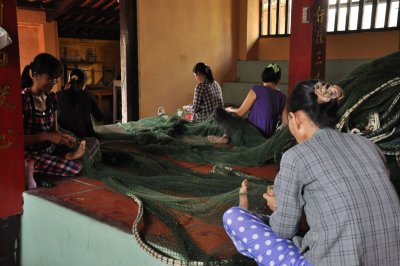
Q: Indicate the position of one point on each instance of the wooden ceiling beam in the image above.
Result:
(93, 12)
(86, 26)
(97, 36)
(35, 5)
(101, 5)
(64, 7)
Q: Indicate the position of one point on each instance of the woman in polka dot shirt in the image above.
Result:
(339, 181)
(254, 238)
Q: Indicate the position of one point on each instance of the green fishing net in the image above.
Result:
(180, 211)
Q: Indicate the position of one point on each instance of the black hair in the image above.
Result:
(201, 68)
(42, 64)
(272, 73)
(303, 98)
(77, 79)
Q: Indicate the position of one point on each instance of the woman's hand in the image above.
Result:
(187, 107)
(61, 139)
(246, 105)
(68, 140)
(270, 198)
(230, 109)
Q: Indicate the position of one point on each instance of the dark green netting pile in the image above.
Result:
(180, 139)
(187, 207)
(374, 88)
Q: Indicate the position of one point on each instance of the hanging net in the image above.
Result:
(180, 211)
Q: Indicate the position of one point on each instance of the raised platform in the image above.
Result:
(82, 222)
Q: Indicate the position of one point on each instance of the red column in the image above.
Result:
(307, 41)
(11, 129)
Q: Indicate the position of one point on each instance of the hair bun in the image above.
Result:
(274, 67)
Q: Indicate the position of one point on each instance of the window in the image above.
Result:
(274, 17)
(343, 16)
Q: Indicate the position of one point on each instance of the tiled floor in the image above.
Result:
(93, 198)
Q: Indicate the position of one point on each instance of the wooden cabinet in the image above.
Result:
(106, 74)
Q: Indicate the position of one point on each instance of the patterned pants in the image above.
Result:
(55, 163)
(255, 239)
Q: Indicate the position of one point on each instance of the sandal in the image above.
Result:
(43, 183)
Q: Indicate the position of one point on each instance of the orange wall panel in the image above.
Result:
(273, 48)
(31, 41)
(366, 45)
(173, 36)
(35, 35)
(248, 29)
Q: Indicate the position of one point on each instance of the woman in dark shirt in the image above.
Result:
(47, 150)
(76, 104)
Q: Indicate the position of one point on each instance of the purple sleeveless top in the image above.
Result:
(266, 109)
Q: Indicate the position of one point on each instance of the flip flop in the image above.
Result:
(43, 183)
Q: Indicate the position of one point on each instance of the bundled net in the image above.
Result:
(180, 211)
(372, 95)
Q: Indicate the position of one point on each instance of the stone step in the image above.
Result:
(249, 74)
(250, 71)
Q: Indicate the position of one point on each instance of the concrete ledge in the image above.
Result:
(54, 235)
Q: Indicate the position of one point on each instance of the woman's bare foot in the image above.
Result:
(218, 140)
(78, 153)
(29, 180)
(243, 199)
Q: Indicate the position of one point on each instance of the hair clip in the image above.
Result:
(75, 77)
(275, 67)
(326, 92)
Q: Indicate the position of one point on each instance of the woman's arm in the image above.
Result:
(246, 105)
(54, 127)
(54, 137)
(33, 139)
(197, 98)
(284, 115)
(95, 107)
(289, 204)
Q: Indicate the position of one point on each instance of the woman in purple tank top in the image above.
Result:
(265, 104)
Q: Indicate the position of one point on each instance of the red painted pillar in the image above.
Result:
(307, 41)
(11, 129)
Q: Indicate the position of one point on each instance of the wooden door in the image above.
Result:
(11, 129)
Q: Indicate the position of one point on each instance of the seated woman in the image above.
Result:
(76, 105)
(50, 152)
(265, 104)
(340, 182)
(207, 94)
